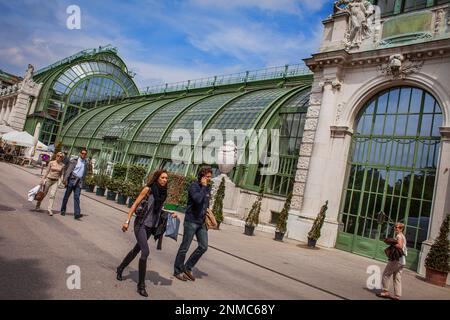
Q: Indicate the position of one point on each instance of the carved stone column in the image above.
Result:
(316, 162)
(9, 107)
(2, 110)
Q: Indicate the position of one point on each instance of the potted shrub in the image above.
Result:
(119, 171)
(437, 261)
(176, 190)
(282, 219)
(136, 174)
(133, 192)
(122, 189)
(314, 233)
(218, 203)
(101, 182)
(89, 183)
(252, 219)
(113, 186)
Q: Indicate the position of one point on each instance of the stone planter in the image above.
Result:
(436, 277)
(279, 236)
(122, 199)
(312, 243)
(100, 191)
(249, 230)
(111, 195)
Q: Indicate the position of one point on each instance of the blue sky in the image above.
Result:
(165, 41)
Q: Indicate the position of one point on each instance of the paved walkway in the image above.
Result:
(318, 274)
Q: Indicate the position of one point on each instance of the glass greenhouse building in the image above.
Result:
(89, 100)
(139, 129)
(84, 81)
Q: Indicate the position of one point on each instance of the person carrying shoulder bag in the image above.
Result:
(397, 260)
(49, 181)
(148, 207)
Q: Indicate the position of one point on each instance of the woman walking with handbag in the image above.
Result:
(54, 172)
(395, 264)
(148, 208)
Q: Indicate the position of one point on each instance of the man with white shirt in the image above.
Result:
(73, 180)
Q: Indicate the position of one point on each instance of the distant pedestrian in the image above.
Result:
(54, 172)
(148, 207)
(74, 176)
(194, 224)
(397, 260)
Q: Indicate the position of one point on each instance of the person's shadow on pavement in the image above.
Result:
(153, 276)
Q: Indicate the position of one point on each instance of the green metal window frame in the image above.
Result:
(393, 164)
(404, 6)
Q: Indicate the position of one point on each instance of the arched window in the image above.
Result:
(393, 164)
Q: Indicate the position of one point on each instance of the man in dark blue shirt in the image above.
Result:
(194, 224)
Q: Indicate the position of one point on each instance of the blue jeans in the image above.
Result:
(200, 232)
(76, 188)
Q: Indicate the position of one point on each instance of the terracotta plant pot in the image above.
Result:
(249, 230)
(279, 236)
(436, 277)
(312, 243)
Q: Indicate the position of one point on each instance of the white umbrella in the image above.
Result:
(23, 139)
(16, 138)
(5, 129)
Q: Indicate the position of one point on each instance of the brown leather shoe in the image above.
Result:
(189, 275)
(180, 276)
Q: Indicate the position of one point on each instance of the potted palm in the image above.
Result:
(437, 261)
(218, 203)
(314, 233)
(252, 219)
(282, 219)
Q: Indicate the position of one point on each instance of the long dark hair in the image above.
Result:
(155, 177)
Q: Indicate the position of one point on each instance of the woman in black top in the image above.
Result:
(148, 208)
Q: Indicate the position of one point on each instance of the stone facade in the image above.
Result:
(17, 101)
(345, 78)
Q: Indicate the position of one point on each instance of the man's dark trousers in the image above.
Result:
(191, 229)
(75, 186)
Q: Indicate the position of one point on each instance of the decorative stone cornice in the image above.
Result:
(340, 131)
(445, 133)
(419, 51)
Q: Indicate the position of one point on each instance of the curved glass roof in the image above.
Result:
(243, 112)
(202, 112)
(146, 124)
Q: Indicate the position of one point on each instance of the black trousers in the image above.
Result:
(142, 234)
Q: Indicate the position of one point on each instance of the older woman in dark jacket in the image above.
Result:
(148, 207)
